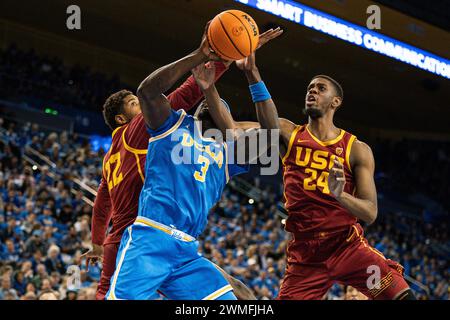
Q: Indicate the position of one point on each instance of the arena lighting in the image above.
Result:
(51, 111)
(354, 34)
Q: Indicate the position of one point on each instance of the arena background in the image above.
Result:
(58, 80)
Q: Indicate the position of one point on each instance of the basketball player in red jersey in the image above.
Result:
(123, 166)
(328, 187)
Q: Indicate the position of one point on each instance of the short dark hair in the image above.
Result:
(336, 85)
(114, 106)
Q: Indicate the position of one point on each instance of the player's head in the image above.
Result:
(120, 108)
(353, 294)
(202, 114)
(323, 95)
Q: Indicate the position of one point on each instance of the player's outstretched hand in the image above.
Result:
(94, 255)
(336, 178)
(269, 35)
(249, 62)
(205, 75)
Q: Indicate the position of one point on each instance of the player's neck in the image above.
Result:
(323, 128)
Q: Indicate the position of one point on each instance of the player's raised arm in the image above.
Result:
(189, 93)
(266, 110)
(363, 204)
(155, 106)
(204, 75)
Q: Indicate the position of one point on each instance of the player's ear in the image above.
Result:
(336, 102)
(120, 119)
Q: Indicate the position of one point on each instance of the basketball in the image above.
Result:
(233, 35)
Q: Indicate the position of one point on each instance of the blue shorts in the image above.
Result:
(151, 260)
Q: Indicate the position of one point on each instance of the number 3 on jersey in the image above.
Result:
(116, 177)
(201, 175)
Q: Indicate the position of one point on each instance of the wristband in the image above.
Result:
(259, 92)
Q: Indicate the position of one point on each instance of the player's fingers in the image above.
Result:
(265, 33)
(338, 164)
(340, 179)
(276, 33)
(207, 26)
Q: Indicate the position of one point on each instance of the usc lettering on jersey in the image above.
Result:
(306, 165)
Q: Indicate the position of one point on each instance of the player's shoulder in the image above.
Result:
(287, 124)
(137, 122)
(361, 153)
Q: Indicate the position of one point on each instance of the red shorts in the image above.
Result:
(109, 265)
(315, 263)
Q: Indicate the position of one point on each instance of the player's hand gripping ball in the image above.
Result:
(233, 35)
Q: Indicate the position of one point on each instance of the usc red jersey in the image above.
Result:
(311, 206)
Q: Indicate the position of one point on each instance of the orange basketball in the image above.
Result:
(233, 35)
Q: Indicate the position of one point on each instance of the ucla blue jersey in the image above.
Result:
(185, 175)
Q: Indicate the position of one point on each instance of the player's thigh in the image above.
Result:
(141, 265)
(197, 280)
(366, 269)
(304, 282)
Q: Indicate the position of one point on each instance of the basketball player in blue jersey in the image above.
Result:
(159, 251)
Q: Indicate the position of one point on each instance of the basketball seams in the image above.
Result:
(214, 46)
(246, 30)
(229, 38)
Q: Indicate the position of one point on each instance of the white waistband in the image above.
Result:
(180, 235)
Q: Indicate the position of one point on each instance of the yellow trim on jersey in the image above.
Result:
(163, 228)
(131, 149)
(104, 158)
(329, 142)
(115, 131)
(218, 293)
(291, 142)
(348, 150)
(112, 295)
(361, 239)
(227, 175)
(175, 127)
(139, 167)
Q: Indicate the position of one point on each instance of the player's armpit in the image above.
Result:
(287, 127)
(155, 110)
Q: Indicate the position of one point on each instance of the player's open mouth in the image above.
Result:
(310, 100)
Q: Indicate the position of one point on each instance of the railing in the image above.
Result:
(52, 168)
(417, 283)
(246, 188)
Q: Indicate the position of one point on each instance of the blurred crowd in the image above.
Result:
(45, 217)
(23, 73)
(45, 226)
